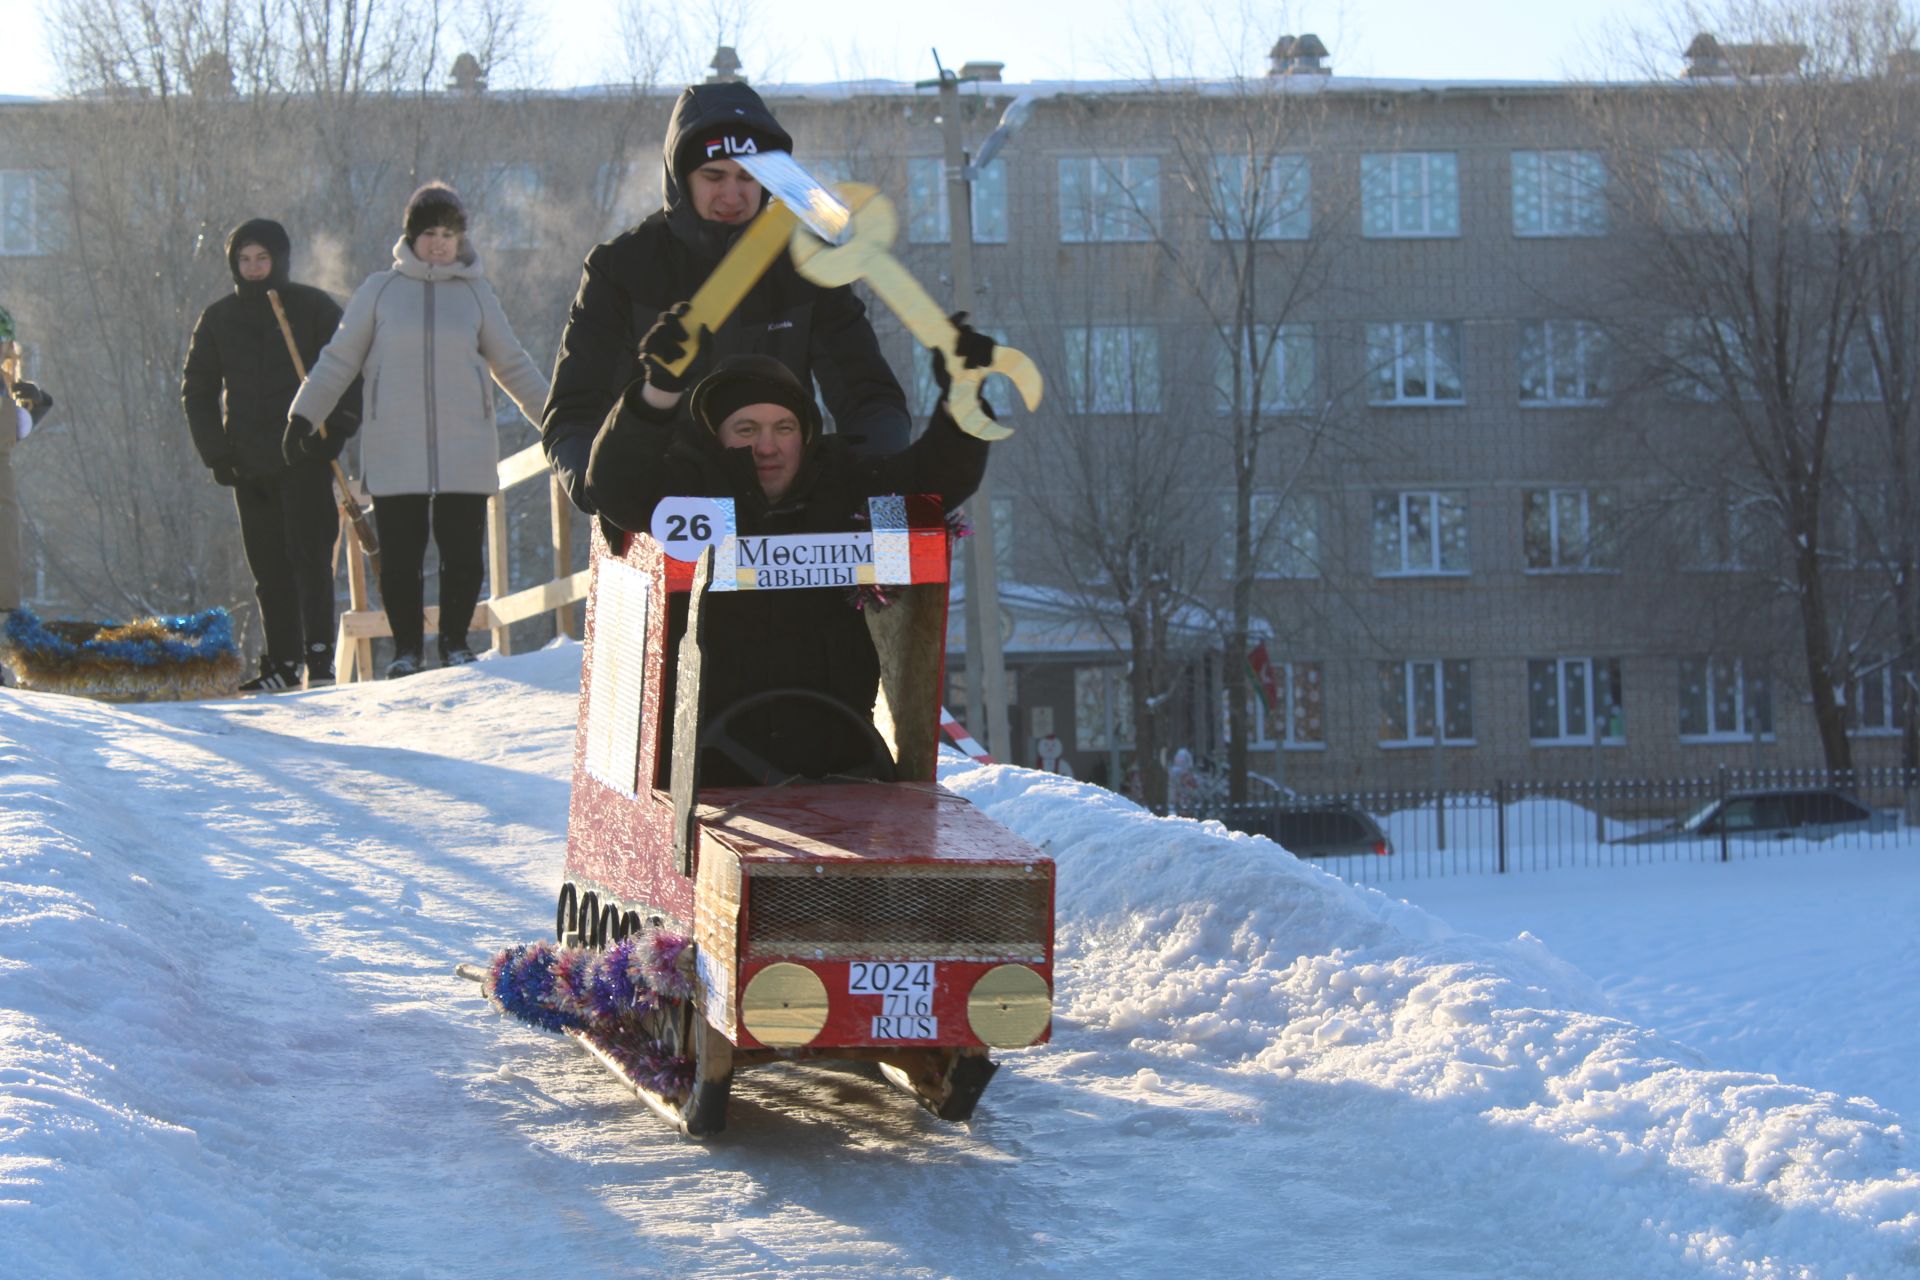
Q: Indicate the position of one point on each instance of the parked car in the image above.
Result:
(1813, 813)
(1319, 830)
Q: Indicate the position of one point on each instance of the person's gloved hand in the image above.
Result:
(974, 348)
(225, 476)
(666, 343)
(301, 441)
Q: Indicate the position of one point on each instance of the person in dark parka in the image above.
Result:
(821, 335)
(239, 380)
(758, 442)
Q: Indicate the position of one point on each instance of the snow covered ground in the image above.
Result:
(231, 1044)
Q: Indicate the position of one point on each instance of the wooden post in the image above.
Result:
(562, 513)
(498, 565)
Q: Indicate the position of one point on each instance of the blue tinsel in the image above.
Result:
(189, 638)
(608, 994)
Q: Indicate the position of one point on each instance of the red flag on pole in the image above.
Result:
(1263, 676)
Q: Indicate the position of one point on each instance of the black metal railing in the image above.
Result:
(1536, 825)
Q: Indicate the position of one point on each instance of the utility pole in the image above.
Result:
(986, 664)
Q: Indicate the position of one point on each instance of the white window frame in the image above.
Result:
(1408, 672)
(1885, 680)
(1396, 183)
(1290, 547)
(1121, 202)
(1589, 674)
(1283, 202)
(1286, 384)
(1259, 723)
(1403, 345)
(1571, 191)
(1713, 671)
(1590, 510)
(1587, 354)
(1135, 365)
(1444, 508)
(929, 218)
(25, 192)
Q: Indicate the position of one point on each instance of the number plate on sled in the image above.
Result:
(906, 997)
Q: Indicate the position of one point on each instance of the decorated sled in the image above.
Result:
(147, 660)
(709, 929)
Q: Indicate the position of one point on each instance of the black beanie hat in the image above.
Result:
(434, 205)
(739, 381)
(725, 140)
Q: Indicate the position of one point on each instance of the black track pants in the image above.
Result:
(459, 523)
(288, 525)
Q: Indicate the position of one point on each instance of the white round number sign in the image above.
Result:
(684, 527)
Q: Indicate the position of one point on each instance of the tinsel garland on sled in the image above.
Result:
(148, 660)
(610, 995)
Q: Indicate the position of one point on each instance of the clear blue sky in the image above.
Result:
(798, 41)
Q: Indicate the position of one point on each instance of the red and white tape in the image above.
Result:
(962, 739)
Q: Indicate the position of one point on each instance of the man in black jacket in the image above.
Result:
(822, 335)
(758, 442)
(239, 381)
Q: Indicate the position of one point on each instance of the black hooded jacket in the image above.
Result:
(809, 638)
(237, 349)
(823, 335)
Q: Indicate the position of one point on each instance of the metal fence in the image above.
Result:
(1538, 826)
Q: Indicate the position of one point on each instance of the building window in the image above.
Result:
(1874, 704)
(928, 220)
(1559, 193)
(1415, 695)
(1707, 360)
(511, 198)
(1113, 369)
(1285, 532)
(1410, 193)
(1284, 358)
(1731, 536)
(1109, 198)
(1700, 191)
(1570, 700)
(1296, 709)
(1262, 198)
(1414, 362)
(1567, 530)
(1102, 709)
(1419, 532)
(1724, 699)
(1563, 362)
(28, 225)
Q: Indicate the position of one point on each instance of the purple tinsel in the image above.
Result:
(607, 993)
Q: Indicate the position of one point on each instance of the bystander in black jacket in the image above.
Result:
(237, 385)
(809, 638)
(822, 335)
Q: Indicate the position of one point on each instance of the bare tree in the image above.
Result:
(1737, 192)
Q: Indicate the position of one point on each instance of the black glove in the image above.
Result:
(31, 398)
(974, 348)
(302, 442)
(664, 344)
(225, 476)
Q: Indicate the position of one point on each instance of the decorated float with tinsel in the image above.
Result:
(157, 659)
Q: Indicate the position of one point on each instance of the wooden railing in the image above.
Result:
(360, 626)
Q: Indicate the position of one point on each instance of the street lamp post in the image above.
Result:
(986, 663)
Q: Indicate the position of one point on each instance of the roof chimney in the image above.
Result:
(1707, 58)
(983, 71)
(213, 76)
(1299, 55)
(467, 75)
(726, 67)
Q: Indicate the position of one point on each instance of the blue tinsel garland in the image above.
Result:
(606, 994)
(193, 637)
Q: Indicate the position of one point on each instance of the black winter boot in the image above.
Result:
(319, 666)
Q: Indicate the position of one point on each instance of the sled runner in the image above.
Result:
(874, 917)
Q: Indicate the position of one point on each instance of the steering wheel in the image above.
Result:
(717, 734)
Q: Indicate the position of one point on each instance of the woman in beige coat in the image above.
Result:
(431, 340)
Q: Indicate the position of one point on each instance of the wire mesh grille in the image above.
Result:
(900, 914)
